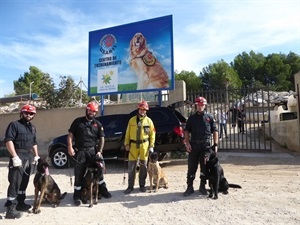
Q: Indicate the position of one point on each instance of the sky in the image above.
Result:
(53, 34)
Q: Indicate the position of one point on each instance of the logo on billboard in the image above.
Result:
(108, 44)
(106, 77)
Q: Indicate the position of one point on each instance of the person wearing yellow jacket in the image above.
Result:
(139, 140)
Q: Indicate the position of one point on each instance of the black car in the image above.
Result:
(169, 124)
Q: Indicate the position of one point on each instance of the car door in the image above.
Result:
(114, 130)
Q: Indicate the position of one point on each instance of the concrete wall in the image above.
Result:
(55, 122)
(287, 133)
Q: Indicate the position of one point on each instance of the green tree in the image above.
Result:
(65, 94)
(47, 91)
(193, 82)
(293, 60)
(249, 67)
(22, 85)
(220, 75)
(277, 73)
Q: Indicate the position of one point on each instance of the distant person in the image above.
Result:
(88, 134)
(197, 133)
(139, 140)
(20, 140)
(234, 111)
(222, 118)
(241, 116)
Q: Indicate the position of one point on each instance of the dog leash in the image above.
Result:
(71, 177)
(124, 176)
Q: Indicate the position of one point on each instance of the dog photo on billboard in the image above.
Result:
(149, 71)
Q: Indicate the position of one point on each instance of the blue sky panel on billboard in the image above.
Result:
(135, 57)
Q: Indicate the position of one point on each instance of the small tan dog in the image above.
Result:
(156, 173)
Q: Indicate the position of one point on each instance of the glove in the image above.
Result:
(35, 160)
(151, 150)
(17, 162)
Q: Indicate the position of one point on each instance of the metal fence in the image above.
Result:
(254, 106)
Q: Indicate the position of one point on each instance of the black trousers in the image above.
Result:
(82, 157)
(18, 177)
(196, 157)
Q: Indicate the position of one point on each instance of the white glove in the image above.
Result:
(35, 160)
(151, 150)
(17, 162)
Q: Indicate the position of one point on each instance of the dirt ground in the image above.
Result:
(270, 194)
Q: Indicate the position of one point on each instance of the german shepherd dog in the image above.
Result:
(45, 185)
(215, 175)
(156, 173)
(90, 186)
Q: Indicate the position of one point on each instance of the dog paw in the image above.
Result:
(36, 211)
(90, 205)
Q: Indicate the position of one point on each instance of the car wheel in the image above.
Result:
(59, 158)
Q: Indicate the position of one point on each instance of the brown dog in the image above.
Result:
(156, 173)
(148, 69)
(46, 186)
(90, 187)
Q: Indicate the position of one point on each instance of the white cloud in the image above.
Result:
(204, 32)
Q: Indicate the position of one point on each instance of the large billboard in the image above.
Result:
(134, 57)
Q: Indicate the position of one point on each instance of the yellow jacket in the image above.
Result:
(146, 131)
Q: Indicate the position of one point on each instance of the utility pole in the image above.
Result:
(80, 102)
(30, 91)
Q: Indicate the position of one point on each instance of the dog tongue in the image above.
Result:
(47, 171)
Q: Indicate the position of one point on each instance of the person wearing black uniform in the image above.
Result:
(241, 119)
(20, 140)
(88, 134)
(198, 130)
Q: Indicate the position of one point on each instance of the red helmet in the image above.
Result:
(29, 108)
(92, 106)
(143, 105)
(200, 101)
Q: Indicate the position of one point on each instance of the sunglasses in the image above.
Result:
(92, 111)
(29, 113)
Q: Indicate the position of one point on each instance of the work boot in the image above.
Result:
(77, 202)
(76, 197)
(11, 212)
(103, 192)
(143, 189)
(22, 206)
(189, 191)
(128, 190)
(202, 189)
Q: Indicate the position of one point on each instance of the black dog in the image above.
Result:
(90, 184)
(46, 186)
(215, 175)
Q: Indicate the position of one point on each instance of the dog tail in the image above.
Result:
(63, 195)
(234, 186)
